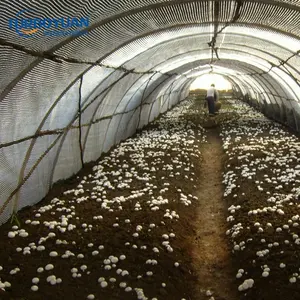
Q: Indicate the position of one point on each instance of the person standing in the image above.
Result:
(211, 98)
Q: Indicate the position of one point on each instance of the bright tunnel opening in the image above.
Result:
(204, 82)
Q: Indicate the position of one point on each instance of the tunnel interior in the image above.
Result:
(66, 99)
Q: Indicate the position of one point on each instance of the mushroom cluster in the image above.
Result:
(131, 213)
(261, 181)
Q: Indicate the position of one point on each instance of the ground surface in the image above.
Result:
(262, 181)
(92, 201)
(211, 251)
(176, 212)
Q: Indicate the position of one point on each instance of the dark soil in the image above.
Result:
(197, 262)
(276, 140)
(211, 251)
(207, 261)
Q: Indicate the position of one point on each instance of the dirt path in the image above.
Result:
(211, 252)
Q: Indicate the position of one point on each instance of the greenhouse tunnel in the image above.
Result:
(66, 99)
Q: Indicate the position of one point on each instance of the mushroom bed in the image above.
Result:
(116, 230)
(122, 228)
(261, 177)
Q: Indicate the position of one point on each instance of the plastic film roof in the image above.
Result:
(66, 99)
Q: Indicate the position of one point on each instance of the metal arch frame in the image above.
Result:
(186, 36)
(10, 86)
(290, 106)
(269, 87)
(257, 26)
(170, 80)
(46, 116)
(244, 67)
(284, 102)
(228, 76)
(247, 87)
(150, 112)
(270, 54)
(141, 103)
(188, 66)
(235, 86)
(289, 76)
(256, 86)
(131, 98)
(157, 85)
(152, 104)
(128, 89)
(227, 49)
(64, 134)
(156, 95)
(265, 84)
(281, 107)
(255, 68)
(193, 1)
(90, 124)
(76, 80)
(186, 87)
(288, 100)
(172, 88)
(73, 121)
(178, 88)
(236, 82)
(132, 58)
(286, 83)
(29, 150)
(142, 99)
(21, 175)
(168, 41)
(266, 88)
(91, 120)
(253, 55)
(95, 98)
(160, 5)
(259, 78)
(207, 71)
(279, 85)
(262, 86)
(245, 84)
(147, 81)
(273, 88)
(74, 118)
(207, 33)
(103, 96)
(175, 26)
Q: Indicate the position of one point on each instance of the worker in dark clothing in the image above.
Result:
(212, 96)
